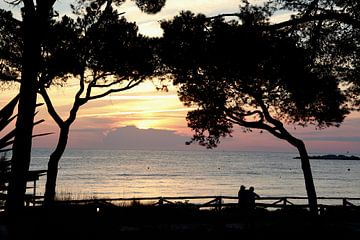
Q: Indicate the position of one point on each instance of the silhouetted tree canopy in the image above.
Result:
(45, 58)
(346, 11)
(105, 53)
(256, 75)
(331, 29)
(10, 47)
(239, 73)
(99, 45)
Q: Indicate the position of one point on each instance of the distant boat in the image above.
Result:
(333, 157)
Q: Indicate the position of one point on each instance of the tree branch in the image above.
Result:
(50, 107)
(78, 101)
(257, 125)
(82, 87)
(279, 128)
(225, 15)
(130, 85)
(325, 15)
(109, 84)
(328, 15)
(267, 114)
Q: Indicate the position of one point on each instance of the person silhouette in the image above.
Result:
(242, 196)
(251, 196)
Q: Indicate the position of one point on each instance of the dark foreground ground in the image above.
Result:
(177, 222)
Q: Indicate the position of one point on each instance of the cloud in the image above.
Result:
(137, 97)
(87, 130)
(130, 137)
(137, 112)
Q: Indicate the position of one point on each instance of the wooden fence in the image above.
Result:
(212, 202)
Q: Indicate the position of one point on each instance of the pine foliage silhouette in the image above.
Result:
(106, 54)
(332, 29)
(36, 70)
(241, 73)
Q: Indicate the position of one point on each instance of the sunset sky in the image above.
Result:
(149, 119)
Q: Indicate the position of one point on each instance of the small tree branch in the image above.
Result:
(130, 85)
(41, 134)
(82, 87)
(78, 101)
(257, 125)
(225, 15)
(325, 15)
(279, 126)
(50, 106)
(109, 84)
(267, 114)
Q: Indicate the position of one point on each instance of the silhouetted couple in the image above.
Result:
(247, 197)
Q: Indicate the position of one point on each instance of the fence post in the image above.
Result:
(321, 210)
(219, 201)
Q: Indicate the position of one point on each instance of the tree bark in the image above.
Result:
(306, 168)
(34, 28)
(27, 103)
(50, 188)
(64, 126)
(279, 131)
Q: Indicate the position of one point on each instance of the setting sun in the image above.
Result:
(146, 124)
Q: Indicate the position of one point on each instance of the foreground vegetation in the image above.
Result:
(106, 221)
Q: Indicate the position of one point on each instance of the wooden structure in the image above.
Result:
(32, 177)
(220, 202)
(206, 202)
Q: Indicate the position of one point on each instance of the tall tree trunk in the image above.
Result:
(64, 126)
(27, 103)
(34, 27)
(306, 168)
(50, 188)
(279, 131)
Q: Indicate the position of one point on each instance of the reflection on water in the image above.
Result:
(125, 173)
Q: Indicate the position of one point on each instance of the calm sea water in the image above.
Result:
(130, 173)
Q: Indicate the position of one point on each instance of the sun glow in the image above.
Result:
(146, 124)
(143, 107)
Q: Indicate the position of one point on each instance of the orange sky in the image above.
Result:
(145, 108)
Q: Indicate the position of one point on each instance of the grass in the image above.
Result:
(69, 196)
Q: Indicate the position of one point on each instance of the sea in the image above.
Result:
(147, 173)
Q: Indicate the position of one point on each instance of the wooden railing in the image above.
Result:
(218, 202)
(212, 202)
